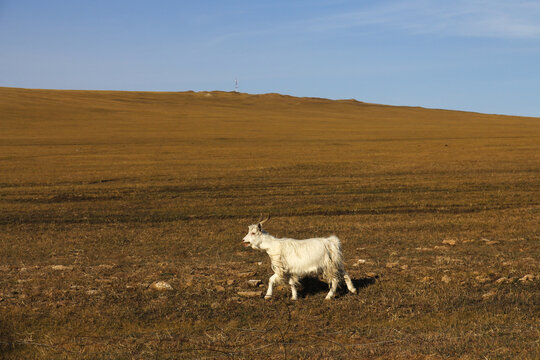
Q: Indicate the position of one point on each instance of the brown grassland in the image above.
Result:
(442, 208)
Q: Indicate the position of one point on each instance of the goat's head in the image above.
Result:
(254, 234)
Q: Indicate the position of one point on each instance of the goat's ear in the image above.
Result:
(259, 226)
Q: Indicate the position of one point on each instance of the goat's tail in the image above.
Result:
(334, 267)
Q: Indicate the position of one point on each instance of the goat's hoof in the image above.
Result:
(354, 291)
(294, 299)
(267, 297)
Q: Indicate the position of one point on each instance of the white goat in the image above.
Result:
(293, 259)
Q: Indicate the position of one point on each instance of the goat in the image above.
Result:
(294, 259)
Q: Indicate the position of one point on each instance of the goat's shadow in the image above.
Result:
(313, 285)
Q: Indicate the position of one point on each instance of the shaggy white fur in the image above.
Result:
(294, 259)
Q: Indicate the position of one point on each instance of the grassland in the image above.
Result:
(126, 188)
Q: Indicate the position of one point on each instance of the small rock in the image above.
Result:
(450, 242)
(250, 293)
(230, 282)
(404, 267)
(426, 279)
(528, 277)
(220, 288)
(489, 242)
(105, 266)
(489, 295)
(254, 283)
(61, 267)
(259, 263)
(161, 286)
(246, 274)
(446, 279)
(482, 279)
(371, 274)
(391, 265)
(359, 262)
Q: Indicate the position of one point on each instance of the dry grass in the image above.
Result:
(126, 188)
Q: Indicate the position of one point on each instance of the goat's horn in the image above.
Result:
(265, 220)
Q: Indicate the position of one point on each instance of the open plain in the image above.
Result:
(104, 193)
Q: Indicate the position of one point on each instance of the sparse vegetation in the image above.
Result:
(127, 188)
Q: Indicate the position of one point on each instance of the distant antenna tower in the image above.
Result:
(235, 85)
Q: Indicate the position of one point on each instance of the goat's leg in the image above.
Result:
(332, 292)
(349, 283)
(292, 282)
(270, 286)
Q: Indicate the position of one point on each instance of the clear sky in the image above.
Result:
(478, 55)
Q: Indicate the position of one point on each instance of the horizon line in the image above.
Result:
(271, 93)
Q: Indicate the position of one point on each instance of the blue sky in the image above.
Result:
(475, 55)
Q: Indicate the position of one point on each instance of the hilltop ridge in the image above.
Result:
(10, 92)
